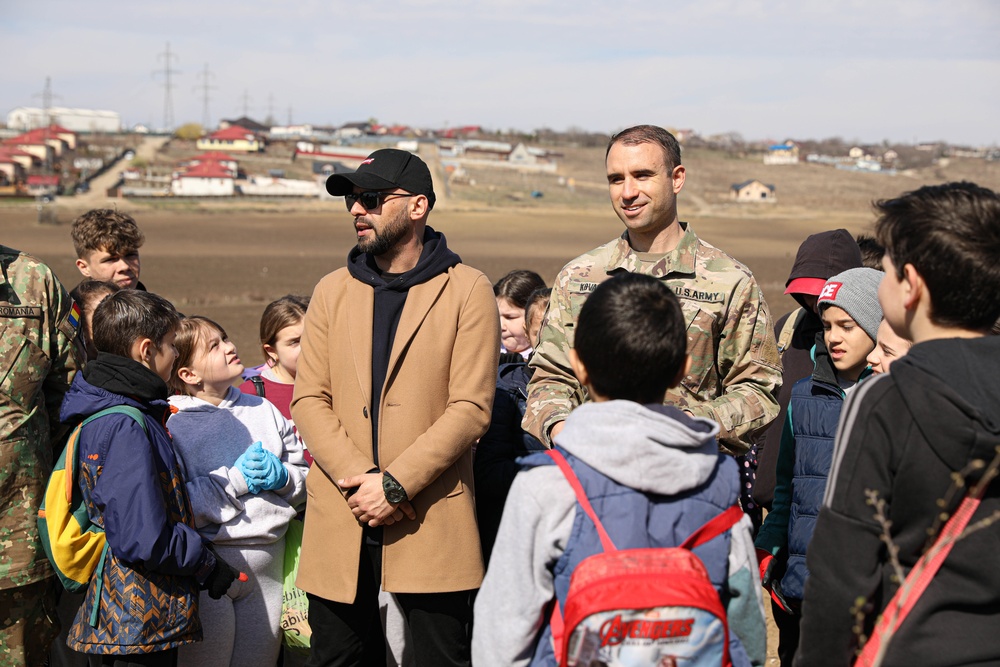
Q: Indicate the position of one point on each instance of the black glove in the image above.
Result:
(220, 578)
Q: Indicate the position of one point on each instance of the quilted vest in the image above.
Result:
(635, 520)
(816, 410)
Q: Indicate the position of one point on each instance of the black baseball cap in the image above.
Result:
(383, 170)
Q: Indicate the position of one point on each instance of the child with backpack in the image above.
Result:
(142, 602)
(653, 476)
(850, 311)
(243, 467)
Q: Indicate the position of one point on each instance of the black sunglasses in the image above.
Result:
(371, 199)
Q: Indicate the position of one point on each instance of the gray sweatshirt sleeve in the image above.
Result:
(215, 497)
(745, 604)
(292, 457)
(511, 604)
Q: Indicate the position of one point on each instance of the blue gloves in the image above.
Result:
(262, 470)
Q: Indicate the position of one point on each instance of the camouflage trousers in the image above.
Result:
(28, 623)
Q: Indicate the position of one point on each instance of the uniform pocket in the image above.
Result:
(702, 378)
(24, 374)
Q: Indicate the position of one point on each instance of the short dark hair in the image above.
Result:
(517, 286)
(950, 233)
(649, 134)
(129, 315)
(871, 251)
(104, 228)
(631, 338)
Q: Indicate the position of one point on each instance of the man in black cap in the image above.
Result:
(395, 383)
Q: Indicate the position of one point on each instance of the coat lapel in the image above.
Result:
(419, 301)
(359, 325)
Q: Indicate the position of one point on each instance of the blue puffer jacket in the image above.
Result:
(147, 596)
(635, 520)
(803, 467)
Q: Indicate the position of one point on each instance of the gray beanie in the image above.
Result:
(856, 291)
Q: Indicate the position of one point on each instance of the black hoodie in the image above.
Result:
(904, 435)
(390, 297)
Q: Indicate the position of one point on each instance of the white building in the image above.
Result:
(207, 179)
(77, 120)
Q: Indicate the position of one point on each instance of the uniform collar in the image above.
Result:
(679, 260)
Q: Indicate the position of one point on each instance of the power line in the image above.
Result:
(246, 103)
(205, 87)
(167, 72)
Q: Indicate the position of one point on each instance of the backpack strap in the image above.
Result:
(789, 327)
(715, 527)
(581, 497)
(258, 385)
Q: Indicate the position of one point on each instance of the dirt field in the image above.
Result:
(229, 264)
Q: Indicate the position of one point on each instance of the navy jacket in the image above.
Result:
(147, 596)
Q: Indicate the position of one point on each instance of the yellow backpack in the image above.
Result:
(75, 546)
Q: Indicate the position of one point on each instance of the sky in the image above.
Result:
(867, 71)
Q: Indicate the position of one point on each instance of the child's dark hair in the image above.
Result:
(191, 332)
(104, 228)
(285, 312)
(539, 300)
(631, 338)
(87, 292)
(129, 315)
(871, 251)
(950, 233)
(517, 286)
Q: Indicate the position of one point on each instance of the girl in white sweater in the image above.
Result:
(245, 474)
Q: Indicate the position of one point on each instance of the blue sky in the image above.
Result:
(770, 69)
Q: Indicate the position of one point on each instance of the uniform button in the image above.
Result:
(365, 411)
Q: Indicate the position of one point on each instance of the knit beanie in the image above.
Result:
(856, 292)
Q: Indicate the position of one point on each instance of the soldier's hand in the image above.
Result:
(554, 431)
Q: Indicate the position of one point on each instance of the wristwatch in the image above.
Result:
(394, 491)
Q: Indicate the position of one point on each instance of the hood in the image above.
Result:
(950, 387)
(654, 449)
(824, 255)
(435, 259)
(111, 380)
(192, 404)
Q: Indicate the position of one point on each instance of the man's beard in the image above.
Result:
(383, 240)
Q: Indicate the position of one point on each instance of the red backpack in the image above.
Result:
(651, 606)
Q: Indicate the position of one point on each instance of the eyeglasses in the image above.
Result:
(371, 199)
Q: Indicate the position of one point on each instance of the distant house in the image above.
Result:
(246, 123)
(42, 185)
(39, 148)
(752, 191)
(232, 138)
(11, 170)
(224, 159)
(206, 179)
(521, 155)
(786, 153)
(23, 158)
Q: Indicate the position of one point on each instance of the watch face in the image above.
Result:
(394, 493)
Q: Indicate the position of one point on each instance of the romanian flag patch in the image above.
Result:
(74, 316)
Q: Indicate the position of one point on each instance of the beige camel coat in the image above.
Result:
(436, 403)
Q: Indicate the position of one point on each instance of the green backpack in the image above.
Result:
(75, 546)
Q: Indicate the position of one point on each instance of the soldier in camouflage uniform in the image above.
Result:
(38, 324)
(735, 368)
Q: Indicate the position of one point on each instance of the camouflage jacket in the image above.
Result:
(38, 324)
(735, 370)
